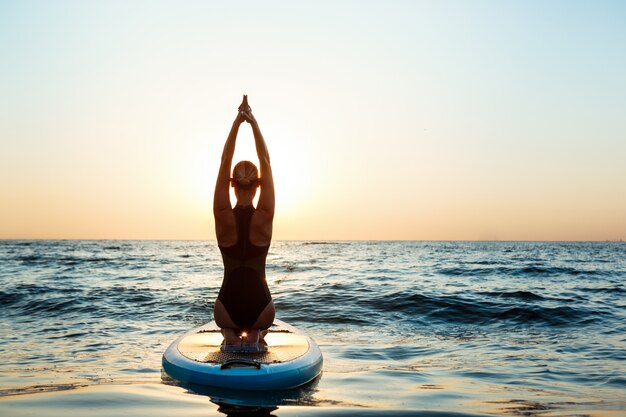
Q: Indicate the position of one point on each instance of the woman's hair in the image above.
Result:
(245, 175)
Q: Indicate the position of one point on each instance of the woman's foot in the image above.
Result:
(251, 341)
(259, 348)
(231, 336)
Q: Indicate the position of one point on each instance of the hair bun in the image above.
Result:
(245, 174)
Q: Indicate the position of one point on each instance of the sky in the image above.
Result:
(443, 120)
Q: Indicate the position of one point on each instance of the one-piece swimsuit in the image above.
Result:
(244, 292)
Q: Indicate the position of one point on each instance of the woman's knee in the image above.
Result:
(221, 316)
(266, 318)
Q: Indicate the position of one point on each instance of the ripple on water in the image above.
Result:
(431, 322)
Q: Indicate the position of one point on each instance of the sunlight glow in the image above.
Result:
(409, 120)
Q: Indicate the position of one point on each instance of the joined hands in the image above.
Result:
(245, 112)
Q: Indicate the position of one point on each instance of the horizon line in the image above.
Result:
(321, 240)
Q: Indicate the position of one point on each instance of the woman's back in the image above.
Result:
(244, 291)
(244, 305)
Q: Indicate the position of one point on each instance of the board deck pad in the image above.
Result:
(282, 346)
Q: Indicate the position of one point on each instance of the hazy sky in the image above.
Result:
(384, 119)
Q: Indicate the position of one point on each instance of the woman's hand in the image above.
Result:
(240, 118)
(245, 111)
(248, 116)
(244, 106)
(245, 117)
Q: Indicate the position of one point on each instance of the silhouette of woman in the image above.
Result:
(244, 308)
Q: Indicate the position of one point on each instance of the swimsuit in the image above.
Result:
(244, 291)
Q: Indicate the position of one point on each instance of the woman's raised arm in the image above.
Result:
(266, 198)
(222, 209)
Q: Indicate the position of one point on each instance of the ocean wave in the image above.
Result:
(47, 260)
(49, 305)
(455, 309)
(618, 289)
(21, 292)
(521, 295)
(521, 271)
(73, 308)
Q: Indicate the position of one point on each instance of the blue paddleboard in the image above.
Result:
(292, 359)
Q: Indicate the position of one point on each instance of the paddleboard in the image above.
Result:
(291, 359)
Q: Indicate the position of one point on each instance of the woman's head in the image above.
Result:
(245, 176)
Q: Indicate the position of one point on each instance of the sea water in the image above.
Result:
(518, 328)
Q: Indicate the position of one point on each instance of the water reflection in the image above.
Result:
(246, 402)
(244, 411)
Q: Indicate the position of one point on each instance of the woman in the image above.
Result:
(244, 308)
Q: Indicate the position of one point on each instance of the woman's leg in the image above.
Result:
(230, 329)
(228, 326)
(256, 334)
(263, 323)
(266, 318)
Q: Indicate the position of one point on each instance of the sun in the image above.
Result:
(291, 168)
(296, 180)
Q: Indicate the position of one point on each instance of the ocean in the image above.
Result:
(405, 327)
